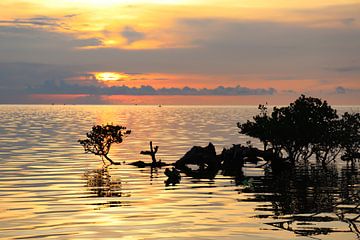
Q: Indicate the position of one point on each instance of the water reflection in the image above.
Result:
(46, 192)
(309, 200)
(100, 184)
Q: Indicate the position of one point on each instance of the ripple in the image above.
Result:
(50, 189)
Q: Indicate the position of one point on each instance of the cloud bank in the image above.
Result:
(62, 87)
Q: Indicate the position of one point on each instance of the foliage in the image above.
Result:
(350, 129)
(307, 126)
(101, 137)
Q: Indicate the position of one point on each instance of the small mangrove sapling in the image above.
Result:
(100, 139)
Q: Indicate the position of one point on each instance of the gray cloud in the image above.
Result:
(343, 90)
(50, 23)
(132, 35)
(37, 21)
(340, 90)
(62, 87)
(346, 69)
(16, 78)
(89, 42)
(348, 21)
(263, 48)
(19, 75)
(223, 47)
(26, 44)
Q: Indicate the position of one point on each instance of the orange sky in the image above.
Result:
(294, 47)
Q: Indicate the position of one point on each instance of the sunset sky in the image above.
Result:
(179, 51)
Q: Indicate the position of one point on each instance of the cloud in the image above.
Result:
(220, 46)
(243, 50)
(37, 21)
(343, 90)
(242, 47)
(340, 90)
(71, 15)
(19, 75)
(346, 69)
(132, 35)
(339, 15)
(62, 87)
(26, 44)
(348, 21)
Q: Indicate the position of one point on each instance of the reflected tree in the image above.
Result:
(306, 197)
(101, 184)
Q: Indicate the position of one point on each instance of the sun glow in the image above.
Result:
(126, 2)
(110, 76)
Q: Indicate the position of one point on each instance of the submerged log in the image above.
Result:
(142, 164)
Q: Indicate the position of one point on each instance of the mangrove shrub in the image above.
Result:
(307, 127)
(100, 139)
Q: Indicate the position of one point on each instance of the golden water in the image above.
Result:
(50, 189)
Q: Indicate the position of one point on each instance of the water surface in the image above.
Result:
(50, 189)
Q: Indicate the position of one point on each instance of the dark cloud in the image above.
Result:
(132, 35)
(36, 21)
(62, 87)
(16, 78)
(19, 75)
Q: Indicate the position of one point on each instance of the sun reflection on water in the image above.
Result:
(49, 188)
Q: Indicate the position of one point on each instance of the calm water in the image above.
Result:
(50, 189)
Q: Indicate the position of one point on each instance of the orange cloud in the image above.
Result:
(154, 24)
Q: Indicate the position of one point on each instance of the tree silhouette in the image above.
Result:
(100, 139)
(350, 126)
(308, 126)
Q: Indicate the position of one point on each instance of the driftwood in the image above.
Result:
(200, 162)
(152, 152)
(203, 162)
(154, 162)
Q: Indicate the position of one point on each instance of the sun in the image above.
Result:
(110, 76)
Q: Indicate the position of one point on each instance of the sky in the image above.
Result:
(179, 51)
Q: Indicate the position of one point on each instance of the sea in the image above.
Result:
(51, 189)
